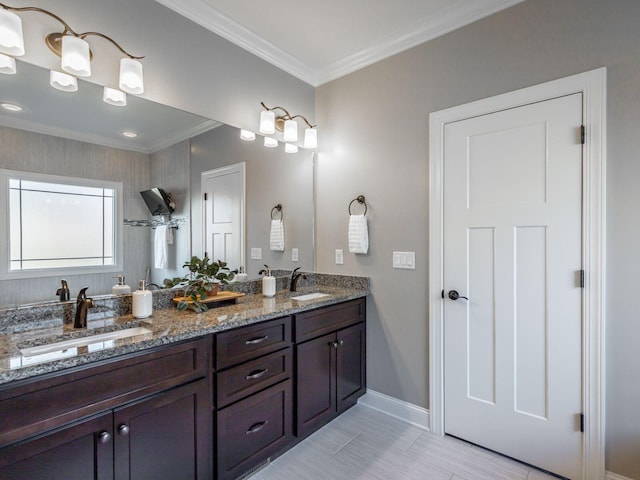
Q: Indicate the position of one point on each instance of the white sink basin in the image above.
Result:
(83, 341)
(310, 296)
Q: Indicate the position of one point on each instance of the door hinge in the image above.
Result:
(206, 255)
(205, 196)
(581, 278)
(583, 134)
(582, 422)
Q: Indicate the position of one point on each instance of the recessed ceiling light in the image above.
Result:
(129, 134)
(11, 107)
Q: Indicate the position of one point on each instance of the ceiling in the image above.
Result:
(320, 41)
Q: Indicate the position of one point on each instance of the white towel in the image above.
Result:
(276, 238)
(358, 234)
(160, 246)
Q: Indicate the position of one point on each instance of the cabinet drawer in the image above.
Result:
(50, 401)
(247, 343)
(325, 320)
(243, 380)
(253, 429)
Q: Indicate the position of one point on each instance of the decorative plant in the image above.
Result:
(203, 279)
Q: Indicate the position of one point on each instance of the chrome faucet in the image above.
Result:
(83, 304)
(294, 279)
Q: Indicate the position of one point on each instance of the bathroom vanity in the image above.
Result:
(212, 395)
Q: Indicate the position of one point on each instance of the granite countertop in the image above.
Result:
(166, 325)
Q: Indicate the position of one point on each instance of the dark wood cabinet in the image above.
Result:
(158, 423)
(81, 451)
(330, 369)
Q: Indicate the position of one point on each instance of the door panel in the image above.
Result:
(513, 237)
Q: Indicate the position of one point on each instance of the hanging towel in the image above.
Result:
(358, 234)
(276, 239)
(160, 246)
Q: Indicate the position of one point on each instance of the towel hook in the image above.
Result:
(278, 207)
(361, 200)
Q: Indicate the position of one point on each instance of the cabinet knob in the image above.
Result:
(123, 430)
(104, 437)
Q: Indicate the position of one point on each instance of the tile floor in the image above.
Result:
(366, 444)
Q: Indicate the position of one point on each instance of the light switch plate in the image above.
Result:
(339, 257)
(404, 260)
(294, 254)
(256, 254)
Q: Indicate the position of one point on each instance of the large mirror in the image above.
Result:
(78, 135)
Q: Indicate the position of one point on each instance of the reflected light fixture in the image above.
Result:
(63, 81)
(270, 142)
(286, 123)
(72, 48)
(114, 97)
(11, 107)
(129, 134)
(290, 148)
(7, 64)
(247, 135)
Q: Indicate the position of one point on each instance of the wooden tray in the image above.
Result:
(220, 297)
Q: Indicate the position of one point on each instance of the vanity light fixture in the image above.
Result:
(72, 48)
(247, 135)
(7, 64)
(286, 123)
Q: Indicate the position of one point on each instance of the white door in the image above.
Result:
(512, 245)
(223, 213)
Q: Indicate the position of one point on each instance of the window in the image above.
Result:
(59, 225)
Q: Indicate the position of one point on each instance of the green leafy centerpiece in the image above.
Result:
(202, 281)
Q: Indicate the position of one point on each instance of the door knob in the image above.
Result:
(454, 295)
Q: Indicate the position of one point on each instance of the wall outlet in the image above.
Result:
(256, 254)
(294, 254)
(339, 257)
(404, 260)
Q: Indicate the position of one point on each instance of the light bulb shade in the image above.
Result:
(270, 142)
(290, 148)
(290, 131)
(62, 81)
(267, 122)
(131, 77)
(75, 56)
(247, 135)
(114, 97)
(11, 39)
(7, 64)
(310, 138)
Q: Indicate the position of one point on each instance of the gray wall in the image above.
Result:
(374, 126)
(272, 177)
(170, 171)
(33, 152)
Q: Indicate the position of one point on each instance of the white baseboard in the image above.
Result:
(615, 476)
(407, 412)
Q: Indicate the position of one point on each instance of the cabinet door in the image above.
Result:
(316, 384)
(79, 452)
(350, 364)
(165, 437)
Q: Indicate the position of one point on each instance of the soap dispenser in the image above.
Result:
(241, 276)
(268, 282)
(142, 301)
(120, 288)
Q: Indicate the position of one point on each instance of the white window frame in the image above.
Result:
(6, 274)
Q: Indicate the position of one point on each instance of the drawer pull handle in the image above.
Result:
(104, 437)
(256, 427)
(255, 341)
(256, 374)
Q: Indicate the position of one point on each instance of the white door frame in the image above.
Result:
(592, 85)
(204, 176)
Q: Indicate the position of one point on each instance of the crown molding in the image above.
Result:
(446, 20)
(183, 135)
(209, 17)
